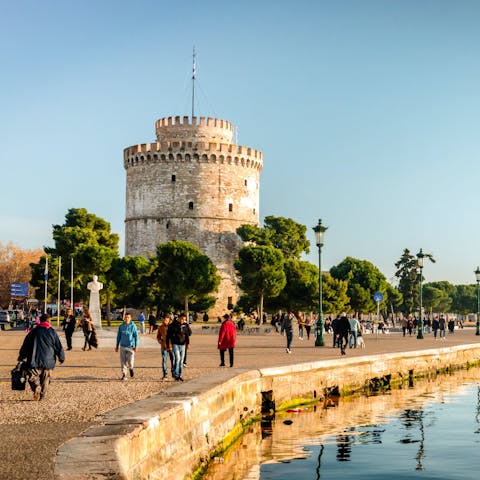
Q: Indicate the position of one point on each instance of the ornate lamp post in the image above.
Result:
(420, 257)
(319, 234)
(477, 276)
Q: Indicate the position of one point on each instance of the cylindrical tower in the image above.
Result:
(193, 184)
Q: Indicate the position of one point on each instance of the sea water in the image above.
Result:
(429, 430)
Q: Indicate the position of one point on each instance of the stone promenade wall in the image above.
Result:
(170, 436)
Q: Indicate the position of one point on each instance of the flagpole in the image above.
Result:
(58, 296)
(46, 284)
(193, 85)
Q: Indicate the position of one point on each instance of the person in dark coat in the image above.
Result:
(41, 348)
(227, 339)
(343, 328)
(69, 324)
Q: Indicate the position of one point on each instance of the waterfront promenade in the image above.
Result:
(88, 385)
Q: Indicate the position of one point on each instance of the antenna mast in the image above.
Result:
(193, 83)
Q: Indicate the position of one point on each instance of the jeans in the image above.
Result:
(289, 335)
(353, 339)
(178, 357)
(165, 355)
(230, 356)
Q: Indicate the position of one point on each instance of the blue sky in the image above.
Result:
(367, 113)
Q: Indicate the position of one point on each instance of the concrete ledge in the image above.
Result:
(167, 436)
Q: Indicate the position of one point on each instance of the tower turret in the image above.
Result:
(192, 184)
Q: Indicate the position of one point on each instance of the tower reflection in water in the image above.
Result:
(338, 431)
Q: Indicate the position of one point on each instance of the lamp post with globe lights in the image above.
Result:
(319, 230)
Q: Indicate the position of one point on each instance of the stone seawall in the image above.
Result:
(169, 436)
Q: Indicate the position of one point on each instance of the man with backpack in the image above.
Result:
(178, 337)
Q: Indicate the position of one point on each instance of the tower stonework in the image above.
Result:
(193, 184)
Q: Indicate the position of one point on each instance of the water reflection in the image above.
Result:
(343, 423)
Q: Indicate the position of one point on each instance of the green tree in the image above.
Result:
(364, 279)
(181, 273)
(438, 296)
(465, 299)
(88, 240)
(126, 277)
(279, 232)
(408, 279)
(334, 294)
(301, 288)
(261, 272)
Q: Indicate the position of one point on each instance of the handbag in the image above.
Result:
(19, 376)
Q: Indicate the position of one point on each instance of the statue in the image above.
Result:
(94, 305)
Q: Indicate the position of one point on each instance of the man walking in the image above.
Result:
(41, 347)
(165, 347)
(127, 340)
(177, 335)
(354, 329)
(141, 322)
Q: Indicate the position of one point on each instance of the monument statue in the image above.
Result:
(95, 286)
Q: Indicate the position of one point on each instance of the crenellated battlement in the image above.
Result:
(194, 129)
(195, 121)
(189, 151)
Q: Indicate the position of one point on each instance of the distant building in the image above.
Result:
(193, 184)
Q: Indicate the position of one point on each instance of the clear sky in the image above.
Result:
(367, 112)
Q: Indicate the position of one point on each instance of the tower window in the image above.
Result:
(190, 205)
(230, 207)
(254, 211)
(168, 224)
(246, 182)
(174, 178)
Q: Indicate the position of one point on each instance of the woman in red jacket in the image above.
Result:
(227, 338)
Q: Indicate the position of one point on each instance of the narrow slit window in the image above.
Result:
(174, 178)
(190, 205)
(230, 207)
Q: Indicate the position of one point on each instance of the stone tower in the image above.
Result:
(193, 184)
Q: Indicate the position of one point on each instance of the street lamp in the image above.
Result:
(477, 276)
(420, 257)
(319, 234)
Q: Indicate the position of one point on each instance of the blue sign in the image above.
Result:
(378, 297)
(19, 290)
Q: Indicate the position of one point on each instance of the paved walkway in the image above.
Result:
(88, 385)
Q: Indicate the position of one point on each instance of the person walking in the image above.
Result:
(69, 324)
(87, 327)
(227, 339)
(41, 348)
(141, 322)
(435, 326)
(287, 327)
(177, 335)
(127, 341)
(343, 332)
(441, 326)
(308, 325)
(165, 347)
(354, 329)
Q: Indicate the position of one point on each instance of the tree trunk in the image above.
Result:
(186, 308)
(260, 320)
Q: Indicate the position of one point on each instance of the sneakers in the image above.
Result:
(222, 365)
(124, 377)
(288, 350)
(179, 379)
(37, 393)
(132, 373)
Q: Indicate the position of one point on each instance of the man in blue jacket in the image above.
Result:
(41, 347)
(127, 340)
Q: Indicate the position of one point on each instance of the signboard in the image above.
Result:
(378, 297)
(19, 289)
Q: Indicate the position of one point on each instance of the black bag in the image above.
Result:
(19, 376)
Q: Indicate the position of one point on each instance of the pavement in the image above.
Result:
(88, 384)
